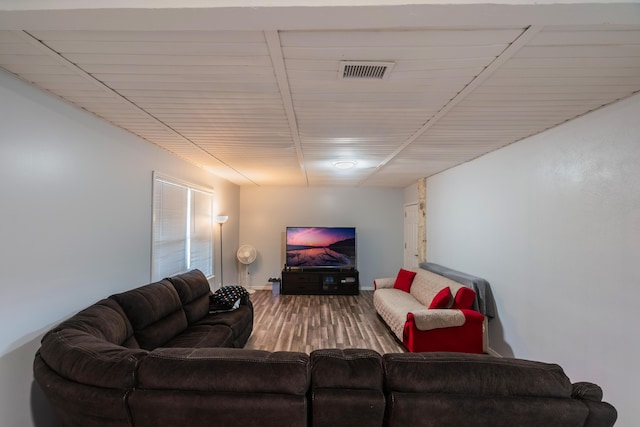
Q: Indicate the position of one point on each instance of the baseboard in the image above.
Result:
(492, 352)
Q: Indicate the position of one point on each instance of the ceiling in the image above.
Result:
(254, 94)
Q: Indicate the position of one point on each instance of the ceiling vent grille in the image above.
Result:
(364, 70)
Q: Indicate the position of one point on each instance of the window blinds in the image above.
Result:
(201, 232)
(182, 229)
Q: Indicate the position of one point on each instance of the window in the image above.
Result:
(182, 228)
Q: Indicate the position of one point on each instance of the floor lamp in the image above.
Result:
(221, 220)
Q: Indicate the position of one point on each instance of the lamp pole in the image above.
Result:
(221, 220)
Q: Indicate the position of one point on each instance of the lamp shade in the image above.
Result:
(221, 219)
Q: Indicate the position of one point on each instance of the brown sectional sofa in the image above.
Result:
(154, 356)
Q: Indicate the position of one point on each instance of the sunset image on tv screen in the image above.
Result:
(321, 247)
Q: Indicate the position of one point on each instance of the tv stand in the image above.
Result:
(320, 281)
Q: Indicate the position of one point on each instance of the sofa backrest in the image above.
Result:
(473, 374)
(346, 388)
(155, 312)
(193, 290)
(221, 386)
(426, 285)
(105, 320)
(453, 388)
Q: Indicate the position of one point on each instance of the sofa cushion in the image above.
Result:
(239, 320)
(393, 305)
(155, 312)
(161, 408)
(193, 289)
(225, 370)
(404, 280)
(451, 410)
(221, 387)
(203, 336)
(443, 299)
(346, 388)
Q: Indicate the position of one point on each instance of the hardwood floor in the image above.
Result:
(309, 322)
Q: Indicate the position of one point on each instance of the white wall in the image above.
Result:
(75, 225)
(411, 194)
(553, 222)
(377, 215)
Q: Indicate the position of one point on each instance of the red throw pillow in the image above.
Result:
(464, 298)
(404, 280)
(443, 299)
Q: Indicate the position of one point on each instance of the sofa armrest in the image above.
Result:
(82, 358)
(426, 319)
(586, 391)
(246, 300)
(472, 316)
(429, 319)
(600, 413)
(384, 283)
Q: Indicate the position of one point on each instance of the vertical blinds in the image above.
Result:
(182, 229)
(201, 232)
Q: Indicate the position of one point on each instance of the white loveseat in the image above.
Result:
(420, 328)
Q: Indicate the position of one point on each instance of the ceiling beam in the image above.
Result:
(277, 59)
(506, 54)
(46, 50)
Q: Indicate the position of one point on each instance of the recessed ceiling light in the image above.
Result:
(344, 164)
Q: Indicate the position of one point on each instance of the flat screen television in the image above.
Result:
(321, 247)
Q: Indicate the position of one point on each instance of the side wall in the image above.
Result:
(75, 225)
(553, 222)
(377, 215)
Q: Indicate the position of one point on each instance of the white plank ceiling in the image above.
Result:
(266, 106)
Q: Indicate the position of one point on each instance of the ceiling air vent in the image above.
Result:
(364, 70)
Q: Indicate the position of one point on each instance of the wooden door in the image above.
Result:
(411, 236)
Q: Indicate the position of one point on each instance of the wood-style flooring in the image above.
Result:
(308, 322)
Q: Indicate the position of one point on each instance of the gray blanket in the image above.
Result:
(484, 302)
